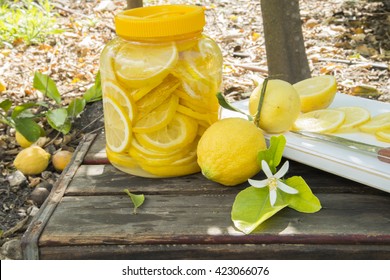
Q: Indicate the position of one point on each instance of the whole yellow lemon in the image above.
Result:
(22, 141)
(32, 160)
(227, 151)
(281, 106)
(61, 159)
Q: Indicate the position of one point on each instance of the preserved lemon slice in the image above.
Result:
(378, 122)
(325, 120)
(383, 135)
(316, 93)
(159, 117)
(180, 132)
(117, 126)
(115, 92)
(173, 170)
(195, 115)
(138, 66)
(354, 117)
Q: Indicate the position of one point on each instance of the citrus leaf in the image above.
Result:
(21, 110)
(273, 155)
(47, 86)
(94, 93)
(252, 207)
(225, 104)
(58, 119)
(76, 107)
(137, 199)
(28, 128)
(6, 104)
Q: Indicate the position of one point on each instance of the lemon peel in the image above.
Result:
(32, 160)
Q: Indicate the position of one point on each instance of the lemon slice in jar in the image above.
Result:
(138, 66)
(323, 121)
(115, 92)
(117, 126)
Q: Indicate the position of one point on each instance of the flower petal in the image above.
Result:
(265, 168)
(272, 197)
(282, 171)
(258, 183)
(286, 188)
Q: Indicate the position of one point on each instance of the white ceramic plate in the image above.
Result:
(357, 166)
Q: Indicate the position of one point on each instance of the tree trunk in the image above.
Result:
(134, 4)
(286, 56)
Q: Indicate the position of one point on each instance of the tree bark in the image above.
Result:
(286, 55)
(134, 4)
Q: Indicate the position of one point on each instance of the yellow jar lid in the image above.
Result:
(159, 21)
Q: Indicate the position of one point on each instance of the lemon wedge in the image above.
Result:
(354, 117)
(138, 66)
(378, 122)
(316, 92)
(117, 126)
(115, 92)
(325, 120)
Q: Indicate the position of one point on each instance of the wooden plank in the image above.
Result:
(97, 151)
(205, 219)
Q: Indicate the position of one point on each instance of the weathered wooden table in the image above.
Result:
(88, 216)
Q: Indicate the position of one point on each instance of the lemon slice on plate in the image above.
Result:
(115, 92)
(117, 126)
(378, 122)
(138, 66)
(325, 120)
(180, 132)
(383, 135)
(316, 93)
(354, 117)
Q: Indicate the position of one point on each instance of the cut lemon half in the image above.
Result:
(325, 120)
(354, 117)
(115, 92)
(316, 93)
(378, 122)
(180, 132)
(138, 66)
(383, 135)
(117, 126)
(159, 117)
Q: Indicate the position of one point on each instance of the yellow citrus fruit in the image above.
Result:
(316, 92)
(325, 120)
(180, 132)
(22, 141)
(383, 135)
(159, 117)
(117, 126)
(61, 159)
(378, 122)
(281, 106)
(32, 160)
(135, 69)
(228, 149)
(106, 60)
(115, 92)
(354, 117)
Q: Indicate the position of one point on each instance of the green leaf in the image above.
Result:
(58, 119)
(76, 107)
(94, 93)
(225, 104)
(304, 201)
(28, 128)
(261, 101)
(137, 199)
(46, 85)
(273, 155)
(252, 207)
(21, 111)
(6, 104)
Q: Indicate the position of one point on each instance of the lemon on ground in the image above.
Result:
(383, 135)
(32, 160)
(22, 141)
(159, 117)
(117, 126)
(180, 132)
(281, 106)
(61, 159)
(138, 66)
(316, 92)
(227, 151)
(378, 122)
(115, 92)
(325, 120)
(354, 117)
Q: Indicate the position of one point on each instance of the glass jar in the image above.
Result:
(160, 77)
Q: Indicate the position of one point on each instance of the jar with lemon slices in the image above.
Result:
(160, 77)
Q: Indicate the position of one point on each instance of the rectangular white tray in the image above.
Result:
(344, 162)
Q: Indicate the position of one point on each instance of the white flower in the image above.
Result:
(273, 181)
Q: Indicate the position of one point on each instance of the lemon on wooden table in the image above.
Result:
(378, 122)
(228, 149)
(117, 126)
(137, 66)
(323, 121)
(117, 93)
(383, 135)
(32, 160)
(316, 92)
(354, 117)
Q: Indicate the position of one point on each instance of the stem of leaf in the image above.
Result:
(261, 100)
